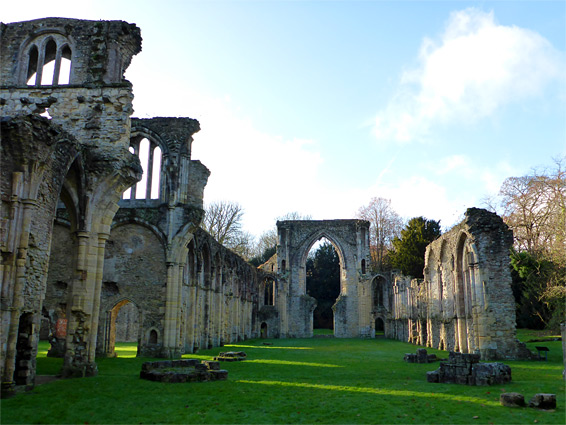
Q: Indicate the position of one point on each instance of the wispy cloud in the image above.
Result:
(475, 68)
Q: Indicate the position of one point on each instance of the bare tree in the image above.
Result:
(294, 215)
(385, 225)
(223, 221)
(534, 207)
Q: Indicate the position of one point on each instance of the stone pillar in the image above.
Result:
(172, 307)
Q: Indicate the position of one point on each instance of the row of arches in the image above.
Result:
(218, 296)
(465, 302)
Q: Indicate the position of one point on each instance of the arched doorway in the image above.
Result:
(123, 325)
(323, 283)
(379, 328)
(263, 332)
(351, 242)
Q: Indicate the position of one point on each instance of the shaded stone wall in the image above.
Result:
(135, 276)
(465, 301)
(219, 296)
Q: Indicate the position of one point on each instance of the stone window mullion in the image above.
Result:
(57, 68)
(40, 63)
(149, 171)
(136, 147)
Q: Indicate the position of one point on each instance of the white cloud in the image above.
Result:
(476, 67)
(268, 174)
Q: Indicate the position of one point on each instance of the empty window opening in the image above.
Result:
(379, 292)
(363, 266)
(64, 76)
(32, 66)
(269, 293)
(128, 192)
(143, 153)
(323, 282)
(150, 157)
(51, 66)
(156, 171)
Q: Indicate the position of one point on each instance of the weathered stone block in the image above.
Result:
(512, 400)
(543, 401)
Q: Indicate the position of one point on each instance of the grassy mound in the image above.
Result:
(318, 380)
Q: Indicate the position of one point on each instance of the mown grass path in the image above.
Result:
(319, 380)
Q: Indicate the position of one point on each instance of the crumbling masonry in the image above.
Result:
(75, 250)
(465, 302)
(100, 237)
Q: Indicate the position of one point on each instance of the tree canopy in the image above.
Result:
(534, 207)
(409, 250)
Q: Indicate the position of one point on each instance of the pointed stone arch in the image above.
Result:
(352, 310)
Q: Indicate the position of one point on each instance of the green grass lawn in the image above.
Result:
(319, 380)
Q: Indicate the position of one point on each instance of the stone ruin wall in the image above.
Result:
(465, 301)
(73, 252)
(87, 135)
(352, 310)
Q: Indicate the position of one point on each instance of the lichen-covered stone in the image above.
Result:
(465, 369)
(512, 399)
(465, 301)
(180, 371)
(543, 401)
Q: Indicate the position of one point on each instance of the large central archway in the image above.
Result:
(352, 309)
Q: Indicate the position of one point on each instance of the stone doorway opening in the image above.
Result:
(122, 325)
(379, 328)
(263, 330)
(323, 283)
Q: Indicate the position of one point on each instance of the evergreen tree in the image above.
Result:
(409, 250)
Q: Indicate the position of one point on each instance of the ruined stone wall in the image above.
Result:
(134, 273)
(465, 301)
(34, 157)
(352, 310)
(180, 289)
(219, 296)
(80, 154)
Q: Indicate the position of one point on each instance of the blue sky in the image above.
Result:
(317, 107)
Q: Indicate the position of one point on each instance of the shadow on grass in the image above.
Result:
(376, 391)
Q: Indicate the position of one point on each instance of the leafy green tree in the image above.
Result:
(323, 283)
(534, 277)
(409, 250)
